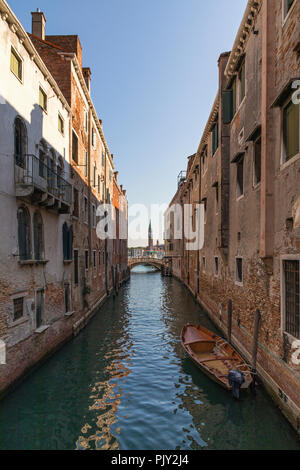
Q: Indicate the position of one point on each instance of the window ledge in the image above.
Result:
(41, 329)
(68, 261)
(69, 314)
(239, 284)
(292, 160)
(240, 197)
(32, 262)
(19, 322)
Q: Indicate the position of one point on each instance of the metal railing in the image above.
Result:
(181, 178)
(37, 173)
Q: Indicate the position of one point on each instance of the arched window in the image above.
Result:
(67, 242)
(24, 234)
(38, 236)
(20, 135)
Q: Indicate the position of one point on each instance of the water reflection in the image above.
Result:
(125, 383)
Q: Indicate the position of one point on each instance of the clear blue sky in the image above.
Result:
(154, 77)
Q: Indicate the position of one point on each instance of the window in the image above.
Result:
(16, 64)
(287, 5)
(204, 263)
(42, 161)
(24, 234)
(99, 256)
(242, 83)
(216, 186)
(215, 138)
(67, 297)
(291, 297)
(20, 135)
(61, 125)
(232, 99)
(76, 268)
(85, 163)
(94, 215)
(76, 202)
(86, 259)
(85, 120)
(291, 135)
(240, 177)
(94, 259)
(67, 242)
(257, 161)
(18, 308)
(38, 236)
(39, 309)
(216, 266)
(94, 140)
(94, 175)
(42, 99)
(85, 209)
(239, 270)
(74, 147)
(99, 185)
(103, 159)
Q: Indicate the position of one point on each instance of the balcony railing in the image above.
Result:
(33, 173)
(181, 178)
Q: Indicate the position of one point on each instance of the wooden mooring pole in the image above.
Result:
(255, 346)
(229, 321)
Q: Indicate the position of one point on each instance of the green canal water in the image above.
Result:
(125, 383)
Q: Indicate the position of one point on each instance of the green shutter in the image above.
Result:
(227, 106)
(234, 97)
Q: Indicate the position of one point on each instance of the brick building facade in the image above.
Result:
(246, 175)
(56, 170)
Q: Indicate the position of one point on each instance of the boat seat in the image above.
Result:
(210, 359)
(199, 341)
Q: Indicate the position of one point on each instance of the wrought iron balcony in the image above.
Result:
(181, 178)
(42, 184)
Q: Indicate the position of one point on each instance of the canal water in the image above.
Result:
(125, 383)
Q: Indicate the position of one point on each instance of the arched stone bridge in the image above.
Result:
(156, 263)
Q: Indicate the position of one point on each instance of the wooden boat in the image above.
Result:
(213, 355)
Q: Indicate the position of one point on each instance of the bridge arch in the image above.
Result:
(155, 263)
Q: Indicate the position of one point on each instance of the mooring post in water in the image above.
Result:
(255, 346)
(229, 323)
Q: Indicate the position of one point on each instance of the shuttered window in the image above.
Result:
(257, 161)
(215, 138)
(42, 99)
(74, 147)
(61, 124)
(240, 177)
(20, 135)
(227, 106)
(76, 268)
(242, 80)
(16, 64)
(24, 234)
(67, 242)
(38, 236)
(291, 130)
(292, 295)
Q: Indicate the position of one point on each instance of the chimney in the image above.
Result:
(116, 175)
(38, 24)
(87, 77)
